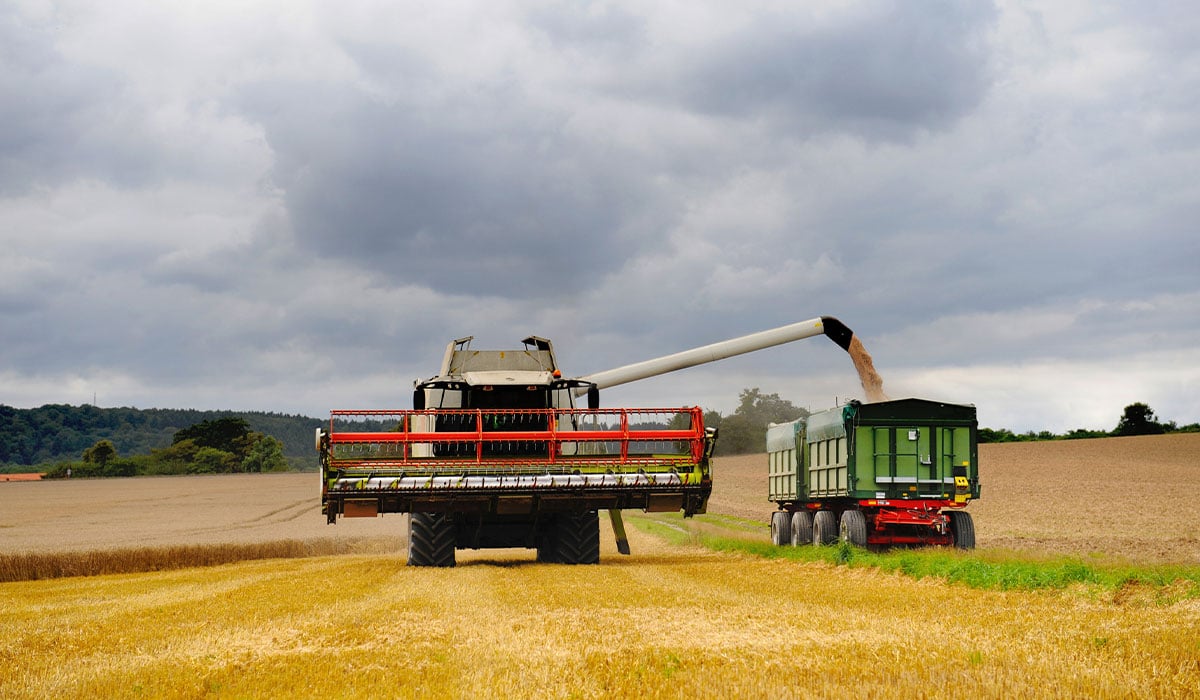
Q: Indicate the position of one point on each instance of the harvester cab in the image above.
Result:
(496, 454)
(498, 379)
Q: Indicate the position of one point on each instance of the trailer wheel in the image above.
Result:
(854, 528)
(825, 529)
(577, 538)
(802, 528)
(962, 528)
(430, 539)
(780, 521)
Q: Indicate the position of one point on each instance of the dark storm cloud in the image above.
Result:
(489, 188)
(484, 195)
(61, 120)
(882, 72)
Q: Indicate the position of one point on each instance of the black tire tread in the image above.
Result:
(853, 528)
(962, 528)
(825, 528)
(431, 539)
(578, 538)
(780, 527)
(801, 528)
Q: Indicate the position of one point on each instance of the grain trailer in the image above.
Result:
(875, 474)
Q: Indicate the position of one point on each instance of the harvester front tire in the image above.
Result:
(802, 528)
(430, 539)
(780, 522)
(962, 528)
(825, 528)
(578, 538)
(854, 528)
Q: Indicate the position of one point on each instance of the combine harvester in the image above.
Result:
(875, 475)
(495, 454)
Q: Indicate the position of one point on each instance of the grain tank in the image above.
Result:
(496, 454)
(875, 474)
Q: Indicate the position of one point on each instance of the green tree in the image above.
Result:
(100, 453)
(1139, 419)
(212, 460)
(175, 459)
(226, 434)
(266, 455)
(745, 430)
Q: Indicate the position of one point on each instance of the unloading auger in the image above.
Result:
(495, 453)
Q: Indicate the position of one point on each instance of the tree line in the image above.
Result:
(1137, 419)
(744, 431)
(221, 446)
(54, 433)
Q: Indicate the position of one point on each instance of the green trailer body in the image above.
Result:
(894, 466)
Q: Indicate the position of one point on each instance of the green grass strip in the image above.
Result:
(977, 568)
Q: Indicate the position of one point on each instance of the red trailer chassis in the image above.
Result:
(899, 521)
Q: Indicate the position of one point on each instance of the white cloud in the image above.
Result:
(1060, 395)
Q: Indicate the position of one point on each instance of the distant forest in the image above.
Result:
(61, 433)
(38, 439)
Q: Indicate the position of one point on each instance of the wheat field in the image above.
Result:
(669, 621)
(672, 620)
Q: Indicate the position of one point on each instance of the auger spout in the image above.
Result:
(823, 325)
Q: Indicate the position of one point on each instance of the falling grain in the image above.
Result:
(872, 383)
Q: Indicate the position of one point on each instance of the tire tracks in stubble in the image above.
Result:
(285, 514)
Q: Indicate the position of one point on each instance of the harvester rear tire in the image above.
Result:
(430, 539)
(802, 528)
(825, 528)
(854, 528)
(547, 548)
(962, 528)
(780, 525)
(578, 538)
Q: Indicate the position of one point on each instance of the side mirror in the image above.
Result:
(419, 400)
(593, 397)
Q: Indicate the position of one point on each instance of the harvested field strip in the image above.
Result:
(977, 569)
(32, 566)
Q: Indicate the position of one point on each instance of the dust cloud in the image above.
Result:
(872, 383)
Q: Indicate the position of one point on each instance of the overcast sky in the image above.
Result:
(293, 207)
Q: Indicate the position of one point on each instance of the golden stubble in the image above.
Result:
(666, 622)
